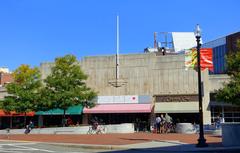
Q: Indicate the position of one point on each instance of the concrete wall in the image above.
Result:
(145, 74)
(216, 81)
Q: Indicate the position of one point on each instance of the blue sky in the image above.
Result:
(35, 31)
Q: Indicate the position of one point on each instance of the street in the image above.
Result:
(29, 147)
(33, 147)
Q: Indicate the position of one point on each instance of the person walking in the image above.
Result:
(158, 122)
(162, 124)
(169, 125)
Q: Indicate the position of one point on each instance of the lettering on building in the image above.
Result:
(176, 98)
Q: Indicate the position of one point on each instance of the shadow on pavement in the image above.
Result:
(213, 147)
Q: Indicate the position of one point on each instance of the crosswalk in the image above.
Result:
(20, 148)
(27, 147)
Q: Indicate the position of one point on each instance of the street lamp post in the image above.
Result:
(201, 139)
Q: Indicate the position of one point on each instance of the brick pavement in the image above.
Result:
(113, 139)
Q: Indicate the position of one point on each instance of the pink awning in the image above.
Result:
(119, 108)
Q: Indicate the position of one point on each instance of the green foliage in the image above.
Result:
(23, 91)
(230, 93)
(66, 86)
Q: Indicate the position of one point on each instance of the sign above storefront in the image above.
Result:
(125, 99)
(176, 98)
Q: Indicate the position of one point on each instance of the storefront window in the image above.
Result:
(230, 113)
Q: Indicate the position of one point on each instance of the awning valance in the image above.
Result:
(176, 107)
(74, 110)
(2, 113)
(119, 108)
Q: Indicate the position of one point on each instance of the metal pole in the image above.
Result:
(201, 140)
(117, 54)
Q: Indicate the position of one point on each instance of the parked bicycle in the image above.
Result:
(96, 127)
(169, 127)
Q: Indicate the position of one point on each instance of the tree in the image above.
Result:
(66, 87)
(230, 92)
(23, 91)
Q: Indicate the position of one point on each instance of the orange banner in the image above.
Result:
(206, 58)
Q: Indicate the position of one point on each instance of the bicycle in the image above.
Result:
(96, 128)
(169, 127)
(99, 129)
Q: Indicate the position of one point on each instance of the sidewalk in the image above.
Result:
(113, 139)
(172, 142)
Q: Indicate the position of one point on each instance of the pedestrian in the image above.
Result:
(137, 123)
(218, 122)
(169, 124)
(29, 127)
(69, 121)
(168, 118)
(162, 124)
(158, 122)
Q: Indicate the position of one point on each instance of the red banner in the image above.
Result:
(206, 58)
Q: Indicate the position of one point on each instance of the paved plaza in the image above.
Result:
(113, 139)
(136, 142)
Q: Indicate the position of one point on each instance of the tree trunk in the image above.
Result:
(64, 118)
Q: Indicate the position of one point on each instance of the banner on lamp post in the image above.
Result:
(205, 58)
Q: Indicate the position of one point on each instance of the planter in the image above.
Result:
(186, 128)
(114, 128)
(231, 134)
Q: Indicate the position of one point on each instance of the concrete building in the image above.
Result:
(222, 47)
(163, 79)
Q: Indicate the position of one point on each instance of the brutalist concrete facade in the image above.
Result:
(147, 74)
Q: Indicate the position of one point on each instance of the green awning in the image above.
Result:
(74, 110)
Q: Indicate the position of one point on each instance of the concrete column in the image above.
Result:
(206, 98)
(152, 119)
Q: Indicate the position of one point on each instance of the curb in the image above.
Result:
(90, 146)
(119, 147)
(75, 145)
(156, 149)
